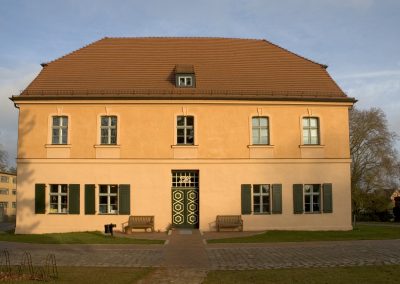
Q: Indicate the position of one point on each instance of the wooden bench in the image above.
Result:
(138, 222)
(229, 221)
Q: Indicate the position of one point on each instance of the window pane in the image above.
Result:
(315, 207)
(307, 207)
(104, 120)
(256, 200)
(189, 120)
(64, 188)
(265, 188)
(265, 208)
(305, 122)
(114, 189)
(54, 188)
(263, 121)
(113, 121)
(314, 140)
(307, 188)
(189, 140)
(103, 199)
(256, 188)
(103, 209)
(313, 122)
(56, 120)
(104, 132)
(113, 200)
(314, 133)
(103, 189)
(181, 132)
(53, 198)
(188, 81)
(263, 140)
(255, 121)
(180, 140)
(257, 208)
(180, 121)
(64, 121)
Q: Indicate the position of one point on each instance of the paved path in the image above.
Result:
(185, 258)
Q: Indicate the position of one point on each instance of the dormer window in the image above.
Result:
(185, 81)
(185, 76)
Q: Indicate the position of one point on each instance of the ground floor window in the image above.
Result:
(312, 198)
(108, 199)
(58, 198)
(261, 198)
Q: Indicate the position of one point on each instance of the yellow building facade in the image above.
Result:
(8, 196)
(186, 153)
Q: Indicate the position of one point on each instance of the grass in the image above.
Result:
(115, 275)
(73, 238)
(365, 274)
(360, 232)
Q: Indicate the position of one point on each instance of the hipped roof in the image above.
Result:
(145, 68)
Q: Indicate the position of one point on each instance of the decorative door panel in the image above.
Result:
(185, 199)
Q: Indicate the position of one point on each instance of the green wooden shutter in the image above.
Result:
(74, 199)
(327, 197)
(124, 199)
(90, 199)
(297, 198)
(40, 198)
(246, 199)
(276, 199)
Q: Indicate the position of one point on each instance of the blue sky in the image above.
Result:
(358, 39)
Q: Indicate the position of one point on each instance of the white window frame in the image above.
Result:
(4, 179)
(61, 129)
(109, 127)
(258, 128)
(307, 130)
(311, 195)
(108, 194)
(185, 127)
(187, 81)
(263, 196)
(59, 194)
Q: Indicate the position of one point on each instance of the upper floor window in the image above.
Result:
(185, 130)
(14, 205)
(108, 131)
(260, 129)
(4, 179)
(185, 81)
(60, 130)
(14, 180)
(108, 199)
(3, 204)
(310, 131)
(14, 192)
(4, 191)
(58, 198)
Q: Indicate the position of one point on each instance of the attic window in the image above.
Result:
(185, 81)
(185, 76)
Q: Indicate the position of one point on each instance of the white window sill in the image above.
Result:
(311, 146)
(184, 146)
(58, 145)
(260, 146)
(107, 146)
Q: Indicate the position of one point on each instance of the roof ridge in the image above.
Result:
(183, 37)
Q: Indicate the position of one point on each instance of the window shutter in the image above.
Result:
(327, 197)
(124, 199)
(276, 199)
(246, 199)
(90, 199)
(40, 198)
(297, 198)
(74, 199)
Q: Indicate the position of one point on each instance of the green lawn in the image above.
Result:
(365, 274)
(360, 232)
(115, 275)
(73, 238)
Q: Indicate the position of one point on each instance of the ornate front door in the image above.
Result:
(185, 199)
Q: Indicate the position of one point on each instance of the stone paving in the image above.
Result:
(186, 257)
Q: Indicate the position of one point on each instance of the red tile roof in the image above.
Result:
(145, 68)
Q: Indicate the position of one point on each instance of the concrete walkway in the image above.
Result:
(185, 257)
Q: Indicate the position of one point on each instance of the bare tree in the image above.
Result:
(375, 168)
(3, 160)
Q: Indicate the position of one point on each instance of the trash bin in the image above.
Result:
(108, 229)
